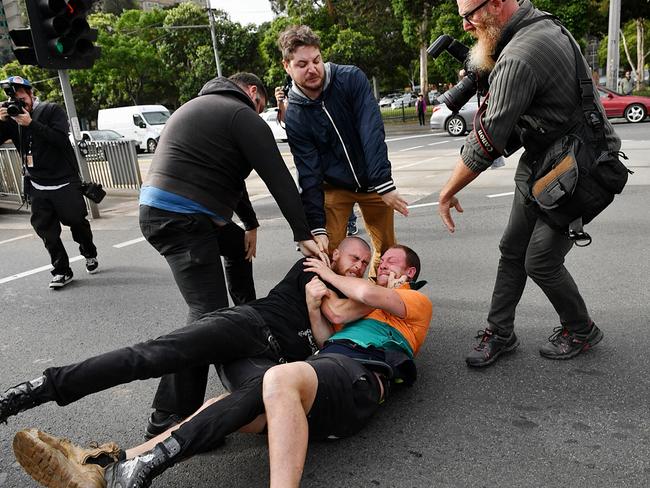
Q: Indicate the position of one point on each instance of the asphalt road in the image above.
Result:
(526, 421)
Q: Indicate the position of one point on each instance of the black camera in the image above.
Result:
(93, 191)
(14, 105)
(473, 82)
(287, 86)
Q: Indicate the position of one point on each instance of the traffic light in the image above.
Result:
(62, 38)
(24, 50)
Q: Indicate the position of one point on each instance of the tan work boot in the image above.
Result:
(58, 463)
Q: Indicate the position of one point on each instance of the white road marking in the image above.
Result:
(405, 138)
(128, 243)
(395, 168)
(410, 148)
(496, 195)
(436, 143)
(16, 238)
(423, 205)
(34, 271)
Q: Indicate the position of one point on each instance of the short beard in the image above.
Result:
(480, 55)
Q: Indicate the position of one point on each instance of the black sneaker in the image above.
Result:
(20, 397)
(139, 471)
(159, 422)
(490, 348)
(59, 281)
(353, 230)
(563, 344)
(91, 265)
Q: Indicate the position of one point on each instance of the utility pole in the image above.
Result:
(214, 37)
(76, 135)
(613, 51)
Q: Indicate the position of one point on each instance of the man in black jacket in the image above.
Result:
(208, 148)
(51, 184)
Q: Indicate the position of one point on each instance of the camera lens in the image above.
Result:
(460, 94)
(13, 110)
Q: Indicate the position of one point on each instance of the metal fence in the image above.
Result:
(11, 178)
(114, 164)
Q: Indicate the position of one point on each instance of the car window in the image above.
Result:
(156, 118)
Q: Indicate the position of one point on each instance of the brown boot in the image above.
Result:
(57, 463)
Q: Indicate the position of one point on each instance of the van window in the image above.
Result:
(137, 120)
(156, 118)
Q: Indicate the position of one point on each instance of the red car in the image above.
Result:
(633, 108)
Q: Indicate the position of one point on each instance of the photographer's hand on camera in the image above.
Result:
(282, 101)
(3, 114)
(23, 119)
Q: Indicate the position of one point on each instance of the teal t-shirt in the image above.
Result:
(370, 332)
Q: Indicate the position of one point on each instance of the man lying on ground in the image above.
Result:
(332, 393)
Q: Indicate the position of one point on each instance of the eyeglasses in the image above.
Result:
(468, 16)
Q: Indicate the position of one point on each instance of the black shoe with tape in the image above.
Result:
(564, 344)
(21, 397)
(139, 471)
(491, 346)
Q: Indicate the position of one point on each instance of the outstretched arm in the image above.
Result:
(358, 289)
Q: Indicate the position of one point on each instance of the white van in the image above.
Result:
(143, 123)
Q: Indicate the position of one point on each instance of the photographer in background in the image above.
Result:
(39, 131)
(533, 95)
(336, 136)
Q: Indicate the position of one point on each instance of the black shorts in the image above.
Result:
(348, 395)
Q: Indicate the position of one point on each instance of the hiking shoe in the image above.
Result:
(91, 265)
(139, 471)
(59, 281)
(564, 344)
(20, 398)
(490, 347)
(159, 422)
(353, 230)
(55, 462)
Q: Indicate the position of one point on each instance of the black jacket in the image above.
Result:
(52, 154)
(212, 143)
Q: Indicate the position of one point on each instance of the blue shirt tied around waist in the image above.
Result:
(171, 202)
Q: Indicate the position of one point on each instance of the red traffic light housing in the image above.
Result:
(62, 38)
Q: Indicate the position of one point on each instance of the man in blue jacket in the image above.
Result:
(336, 136)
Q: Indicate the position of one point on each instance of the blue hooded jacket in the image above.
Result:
(337, 139)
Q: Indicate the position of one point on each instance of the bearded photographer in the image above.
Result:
(39, 130)
(532, 92)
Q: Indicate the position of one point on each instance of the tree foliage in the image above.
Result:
(166, 55)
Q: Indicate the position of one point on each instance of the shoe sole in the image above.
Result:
(584, 348)
(56, 286)
(505, 350)
(92, 271)
(47, 465)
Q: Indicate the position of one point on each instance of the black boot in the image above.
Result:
(23, 397)
(139, 471)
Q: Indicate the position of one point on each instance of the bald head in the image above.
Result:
(351, 257)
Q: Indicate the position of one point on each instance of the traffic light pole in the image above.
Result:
(76, 134)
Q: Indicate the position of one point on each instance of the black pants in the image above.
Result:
(530, 247)
(218, 337)
(193, 245)
(421, 118)
(50, 209)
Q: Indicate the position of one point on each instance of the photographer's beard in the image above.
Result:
(480, 55)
